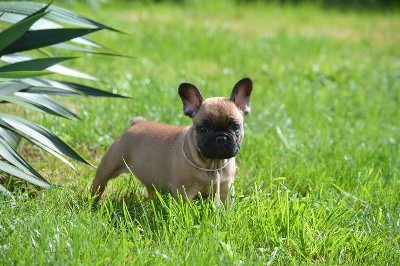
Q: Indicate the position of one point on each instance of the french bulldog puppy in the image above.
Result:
(184, 160)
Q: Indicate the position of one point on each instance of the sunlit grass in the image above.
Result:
(319, 170)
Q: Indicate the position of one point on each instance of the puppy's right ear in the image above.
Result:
(191, 98)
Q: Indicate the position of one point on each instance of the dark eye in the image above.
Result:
(236, 128)
(201, 129)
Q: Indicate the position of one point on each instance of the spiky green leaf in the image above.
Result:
(15, 171)
(43, 24)
(40, 134)
(90, 91)
(10, 155)
(14, 32)
(58, 14)
(12, 138)
(39, 86)
(23, 74)
(62, 70)
(34, 64)
(42, 38)
(40, 103)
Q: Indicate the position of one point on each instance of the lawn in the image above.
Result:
(319, 171)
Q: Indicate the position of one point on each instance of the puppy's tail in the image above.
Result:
(137, 120)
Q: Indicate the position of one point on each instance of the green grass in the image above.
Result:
(318, 179)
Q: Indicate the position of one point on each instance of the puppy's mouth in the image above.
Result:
(219, 146)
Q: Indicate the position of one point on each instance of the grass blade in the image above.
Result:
(8, 193)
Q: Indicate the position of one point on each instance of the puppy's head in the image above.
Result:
(218, 121)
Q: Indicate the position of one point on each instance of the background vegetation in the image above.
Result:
(357, 5)
(319, 170)
(31, 29)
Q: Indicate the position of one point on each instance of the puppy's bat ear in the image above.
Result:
(191, 98)
(241, 95)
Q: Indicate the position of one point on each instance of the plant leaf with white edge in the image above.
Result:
(70, 72)
(47, 102)
(34, 64)
(40, 134)
(14, 58)
(14, 171)
(12, 138)
(57, 88)
(90, 91)
(10, 155)
(88, 42)
(55, 153)
(42, 38)
(13, 33)
(23, 74)
(27, 104)
(71, 47)
(9, 87)
(40, 103)
(52, 91)
(57, 14)
(43, 23)
(49, 85)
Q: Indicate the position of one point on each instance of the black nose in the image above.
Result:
(221, 139)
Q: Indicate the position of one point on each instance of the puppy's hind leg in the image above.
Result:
(110, 167)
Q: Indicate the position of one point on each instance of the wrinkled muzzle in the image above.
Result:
(218, 145)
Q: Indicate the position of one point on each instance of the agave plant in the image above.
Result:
(28, 29)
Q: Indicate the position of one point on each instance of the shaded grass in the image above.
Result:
(319, 169)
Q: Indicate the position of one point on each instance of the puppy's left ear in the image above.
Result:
(191, 98)
(241, 95)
